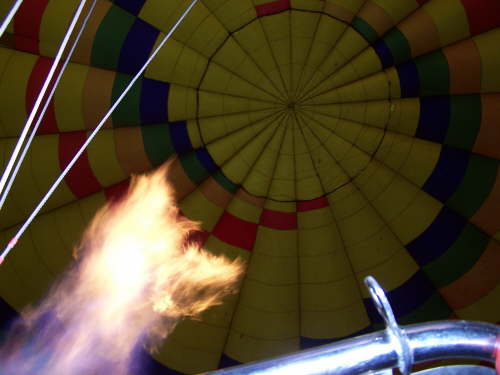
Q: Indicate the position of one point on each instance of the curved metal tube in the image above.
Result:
(374, 352)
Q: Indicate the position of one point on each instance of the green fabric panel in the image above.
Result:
(459, 258)
(435, 308)
(225, 182)
(465, 121)
(193, 168)
(434, 74)
(362, 27)
(128, 112)
(399, 46)
(110, 37)
(157, 143)
(476, 185)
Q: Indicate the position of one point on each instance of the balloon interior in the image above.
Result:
(312, 143)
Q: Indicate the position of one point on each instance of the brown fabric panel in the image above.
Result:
(83, 51)
(216, 193)
(477, 282)
(465, 67)
(488, 139)
(339, 12)
(247, 197)
(421, 33)
(130, 150)
(97, 94)
(488, 216)
(180, 181)
(376, 17)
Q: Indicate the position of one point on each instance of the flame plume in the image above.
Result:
(135, 277)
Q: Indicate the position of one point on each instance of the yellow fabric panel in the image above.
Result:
(70, 224)
(232, 57)
(283, 182)
(90, 205)
(25, 192)
(226, 147)
(378, 113)
(280, 206)
(103, 160)
(36, 279)
(220, 248)
(198, 207)
(395, 150)
(450, 20)
(220, 80)
(416, 217)
(181, 103)
(314, 5)
(392, 273)
(393, 81)
(308, 186)
(325, 268)
(253, 39)
(391, 202)
(367, 219)
(245, 348)
(233, 14)
(338, 323)
(275, 242)
(421, 161)
(4, 8)
(485, 309)
(164, 15)
(397, 9)
(212, 104)
(369, 139)
(374, 250)
(194, 134)
(48, 243)
(319, 241)
(313, 219)
(176, 63)
(346, 201)
(19, 296)
(354, 161)
(352, 5)
(13, 86)
(329, 296)
(270, 299)
(68, 99)
(273, 270)
(487, 44)
(202, 31)
(373, 180)
(244, 210)
(55, 21)
(268, 325)
(405, 114)
(258, 180)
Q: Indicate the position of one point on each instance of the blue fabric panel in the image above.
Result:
(434, 118)
(307, 342)
(408, 79)
(144, 364)
(207, 161)
(437, 238)
(7, 314)
(180, 137)
(131, 6)
(154, 99)
(405, 298)
(447, 174)
(137, 47)
(384, 54)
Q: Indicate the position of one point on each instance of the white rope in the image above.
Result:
(56, 183)
(41, 94)
(10, 16)
(26, 147)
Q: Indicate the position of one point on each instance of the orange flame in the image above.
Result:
(135, 277)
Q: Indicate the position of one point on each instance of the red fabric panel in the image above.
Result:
(483, 15)
(279, 220)
(198, 237)
(80, 179)
(312, 204)
(235, 231)
(27, 23)
(35, 83)
(272, 7)
(116, 192)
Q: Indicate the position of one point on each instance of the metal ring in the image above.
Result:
(395, 333)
